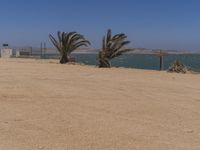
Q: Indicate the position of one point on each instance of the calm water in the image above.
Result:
(143, 61)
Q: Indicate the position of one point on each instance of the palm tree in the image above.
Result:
(67, 43)
(112, 47)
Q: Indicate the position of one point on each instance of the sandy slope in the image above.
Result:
(48, 106)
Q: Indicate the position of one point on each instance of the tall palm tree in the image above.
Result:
(67, 43)
(112, 47)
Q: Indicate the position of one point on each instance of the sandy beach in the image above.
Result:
(48, 106)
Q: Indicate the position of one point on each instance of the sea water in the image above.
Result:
(143, 61)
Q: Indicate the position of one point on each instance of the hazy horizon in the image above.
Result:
(148, 24)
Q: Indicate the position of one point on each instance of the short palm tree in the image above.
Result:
(112, 47)
(67, 43)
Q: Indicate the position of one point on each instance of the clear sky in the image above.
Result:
(168, 24)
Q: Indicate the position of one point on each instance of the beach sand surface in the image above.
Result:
(48, 106)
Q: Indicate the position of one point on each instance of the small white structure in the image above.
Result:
(6, 52)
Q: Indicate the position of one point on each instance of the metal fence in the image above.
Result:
(34, 52)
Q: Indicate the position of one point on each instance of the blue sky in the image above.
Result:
(168, 24)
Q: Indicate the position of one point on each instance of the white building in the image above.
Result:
(6, 52)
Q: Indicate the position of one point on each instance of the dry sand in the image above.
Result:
(48, 106)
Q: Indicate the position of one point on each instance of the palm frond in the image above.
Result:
(119, 36)
(79, 44)
(109, 35)
(64, 41)
(68, 42)
(55, 43)
(120, 52)
(104, 43)
(59, 36)
(76, 39)
(124, 43)
(69, 36)
(112, 47)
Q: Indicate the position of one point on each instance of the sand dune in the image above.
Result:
(48, 106)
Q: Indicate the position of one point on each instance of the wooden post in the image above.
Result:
(31, 51)
(161, 62)
(41, 47)
(44, 50)
(160, 54)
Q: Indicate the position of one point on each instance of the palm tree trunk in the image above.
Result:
(64, 59)
(104, 64)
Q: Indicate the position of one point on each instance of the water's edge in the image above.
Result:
(140, 61)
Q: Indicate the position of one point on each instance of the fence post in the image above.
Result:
(161, 62)
(41, 47)
(161, 54)
(44, 50)
(31, 50)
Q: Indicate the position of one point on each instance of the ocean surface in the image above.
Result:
(142, 61)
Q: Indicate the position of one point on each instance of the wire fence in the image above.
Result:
(34, 52)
